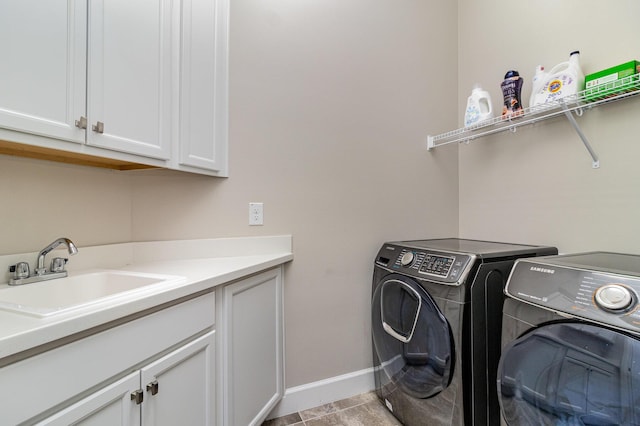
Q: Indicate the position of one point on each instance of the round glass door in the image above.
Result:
(570, 374)
(411, 337)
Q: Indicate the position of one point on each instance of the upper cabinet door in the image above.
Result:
(129, 76)
(43, 76)
(203, 114)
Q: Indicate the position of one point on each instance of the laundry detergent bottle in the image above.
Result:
(565, 79)
(478, 107)
(511, 90)
(539, 79)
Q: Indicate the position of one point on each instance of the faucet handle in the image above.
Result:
(20, 270)
(57, 264)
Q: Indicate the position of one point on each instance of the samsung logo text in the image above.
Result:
(543, 270)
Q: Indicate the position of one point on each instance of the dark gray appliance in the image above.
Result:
(436, 314)
(571, 341)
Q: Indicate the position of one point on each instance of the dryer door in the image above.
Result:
(570, 374)
(412, 338)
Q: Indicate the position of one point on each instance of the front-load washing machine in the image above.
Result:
(571, 336)
(436, 314)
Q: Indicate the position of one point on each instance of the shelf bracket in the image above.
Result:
(430, 143)
(595, 163)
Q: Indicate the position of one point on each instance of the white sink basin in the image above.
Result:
(60, 295)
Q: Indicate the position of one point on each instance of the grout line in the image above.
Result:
(333, 412)
(304, 422)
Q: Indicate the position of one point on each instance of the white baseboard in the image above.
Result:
(314, 394)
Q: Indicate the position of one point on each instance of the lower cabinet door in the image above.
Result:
(251, 348)
(179, 388)
(110, 406)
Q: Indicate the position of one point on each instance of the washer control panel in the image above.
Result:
(605, 297)
(444, 267)
(437, 265)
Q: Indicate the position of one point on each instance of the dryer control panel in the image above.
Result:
(435, 265)
(602, 296)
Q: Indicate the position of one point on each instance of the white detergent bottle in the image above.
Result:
(565, 79)
(478, 107)
(538, 80)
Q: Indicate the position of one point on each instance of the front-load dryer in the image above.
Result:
(571, 336)
(436, 314)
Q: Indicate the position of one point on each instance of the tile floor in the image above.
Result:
(360, 410)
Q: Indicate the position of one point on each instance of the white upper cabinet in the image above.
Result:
(129, 76)
(202, 115)
(43, 76)
(140, 81)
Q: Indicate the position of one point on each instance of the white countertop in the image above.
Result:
(204, 264)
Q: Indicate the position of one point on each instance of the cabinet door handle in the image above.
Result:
(82, 123)
(98, 127)
(137, 396)
(153, 387)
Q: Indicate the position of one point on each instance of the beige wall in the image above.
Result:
(330, 106)
(537, 186)
(42, 201)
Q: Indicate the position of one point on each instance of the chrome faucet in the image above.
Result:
(21, 274)
(40, 269)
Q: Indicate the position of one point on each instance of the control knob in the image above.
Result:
(613, 297)
(407, 258)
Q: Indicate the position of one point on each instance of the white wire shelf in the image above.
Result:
(568, 106)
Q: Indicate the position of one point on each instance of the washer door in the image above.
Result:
(411, 337)
(570, 374)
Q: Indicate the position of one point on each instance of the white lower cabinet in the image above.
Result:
(179, 388)
(251, 348)
(215, 359)
(176, 389)
(111, 405)
(91, 380)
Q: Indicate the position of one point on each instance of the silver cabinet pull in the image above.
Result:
(98, 127)
(137, 396)
(153, 387)
(82, 123)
